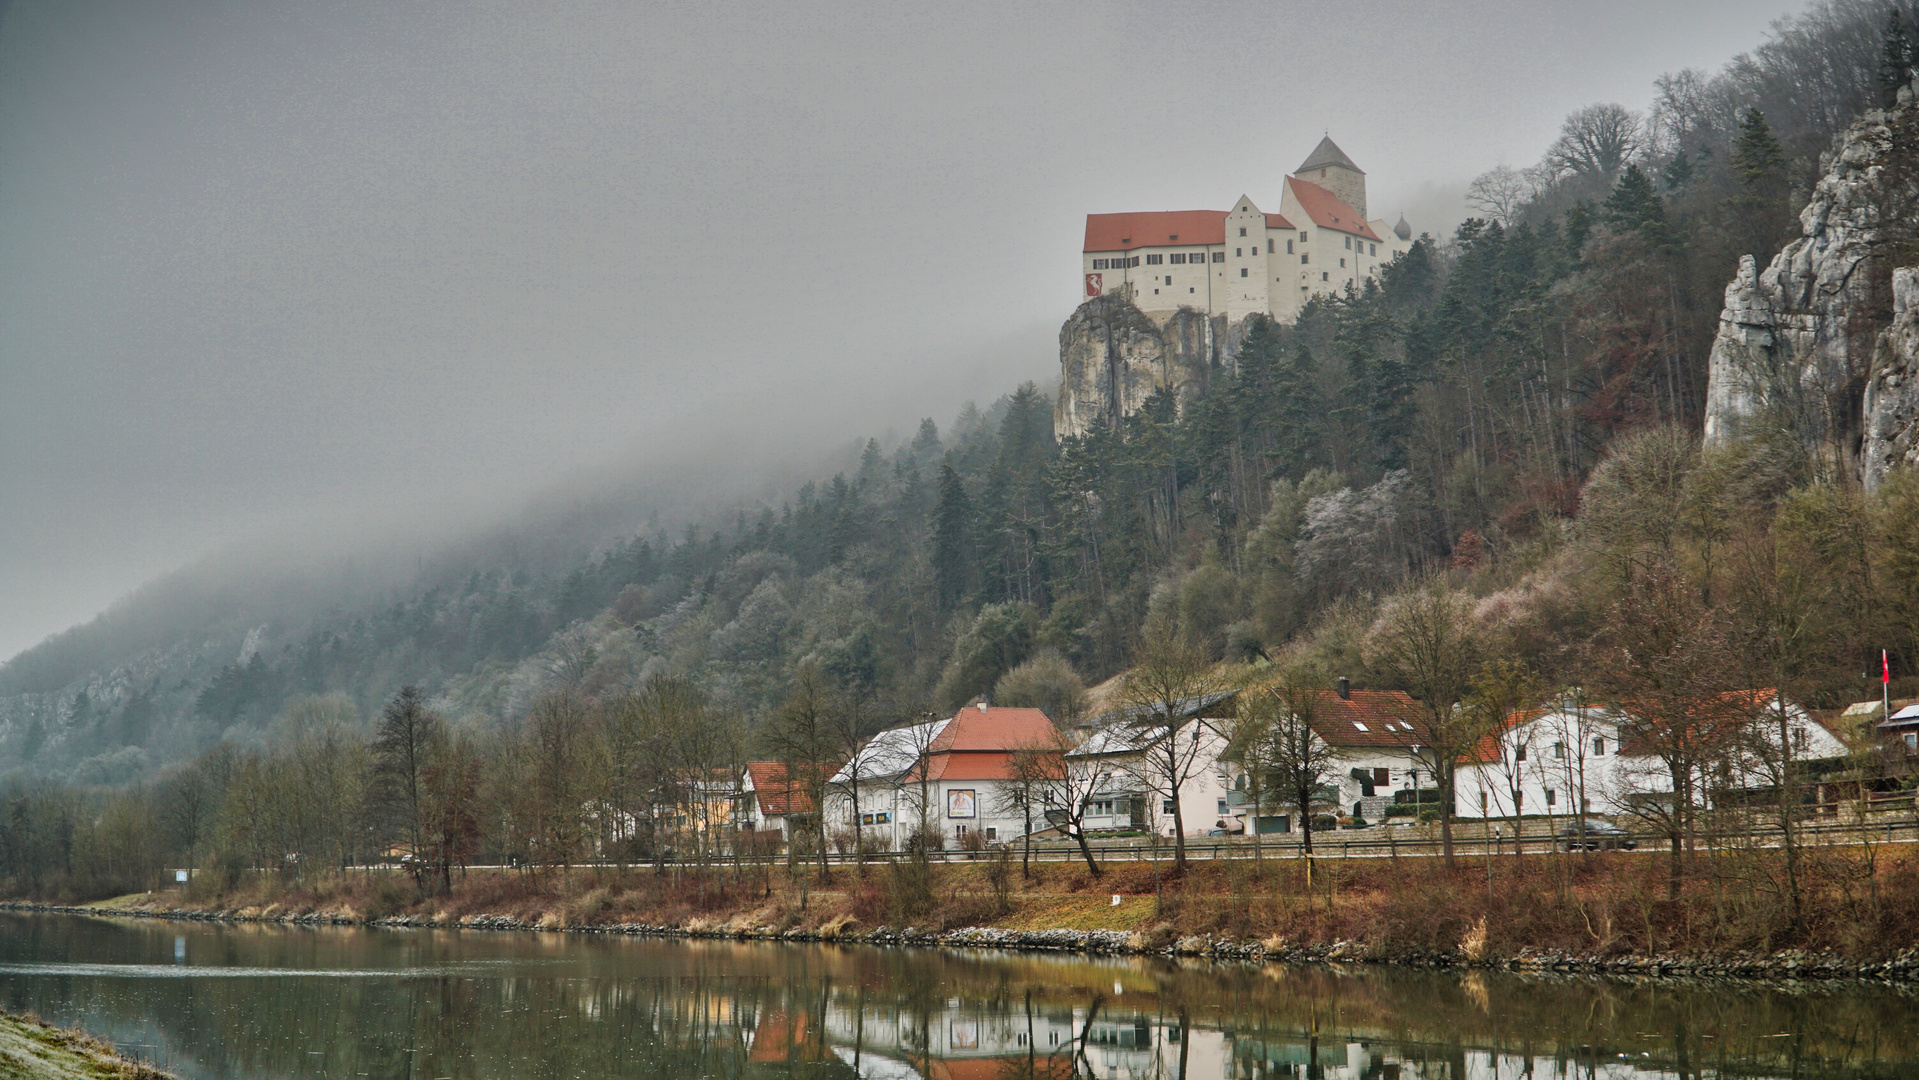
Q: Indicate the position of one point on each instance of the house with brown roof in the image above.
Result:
(954, 775)
(774, 801)
(1245, 260)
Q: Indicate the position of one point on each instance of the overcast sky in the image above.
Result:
(267, 266)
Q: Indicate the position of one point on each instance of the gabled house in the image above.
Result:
(1376, 737)
(955, 776)
(772, 801)
(1127, 789)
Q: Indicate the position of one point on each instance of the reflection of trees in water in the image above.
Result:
(498, 1005)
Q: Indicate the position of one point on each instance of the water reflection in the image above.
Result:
(254, 1001)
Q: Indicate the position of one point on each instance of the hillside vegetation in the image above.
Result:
(1508, 417)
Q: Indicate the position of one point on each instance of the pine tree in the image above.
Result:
(1634, 206)
(1757, 157)
(1678, 172)
(952, 540)
(1896, 58)
(1760, 210)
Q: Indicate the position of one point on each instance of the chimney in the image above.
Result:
(1345, 688)
(982, 706)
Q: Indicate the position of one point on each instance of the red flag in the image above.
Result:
(1885, 668)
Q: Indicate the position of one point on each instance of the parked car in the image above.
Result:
(1595, 835)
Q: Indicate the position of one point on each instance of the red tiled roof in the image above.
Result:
(1327, 211)
(978, 744)
(777, 798)
(1160, 228)
(1367, 718)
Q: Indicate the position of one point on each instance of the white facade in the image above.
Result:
(1245, 261)
(1130, 792)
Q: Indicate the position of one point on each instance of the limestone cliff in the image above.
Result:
(1823, 340)
(1114, 356)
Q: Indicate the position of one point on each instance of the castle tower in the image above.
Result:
(1330, 168)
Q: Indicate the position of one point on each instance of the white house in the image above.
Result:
(1246, 261)
(1586, 758)
(955, 775)
(1129, 788)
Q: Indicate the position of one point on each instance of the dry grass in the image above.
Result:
(1602, 904)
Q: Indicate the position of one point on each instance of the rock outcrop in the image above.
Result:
(1113, 357)
(1823, 340)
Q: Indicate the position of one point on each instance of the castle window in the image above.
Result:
(1177, 258)
(1196, 257)
(1349, 243)
(1237, 253)
(1304, 259)
(1269, 245)
(1099, 264)
(1173, 239)
(1242, 271)
(1219, 256)
(1289, 247)
(1342, 263)
(1302, 236)
(1169, 279)
(1323, 276)
(1375, 249)
(1154, 260)
(1242, 232)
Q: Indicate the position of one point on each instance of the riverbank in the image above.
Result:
(1857, 915)
(31, 1050)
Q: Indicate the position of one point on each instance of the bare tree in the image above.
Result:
(1595, 142)
(1429, 643)
(1275, 742)
(409, 736)
(1500, 192)
(1170, 682)
(801, 736)
(1502, 688)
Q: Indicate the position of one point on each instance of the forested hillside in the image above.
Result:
(1446, 421)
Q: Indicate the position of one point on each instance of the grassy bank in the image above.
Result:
(31, 1049)
(1858, 903)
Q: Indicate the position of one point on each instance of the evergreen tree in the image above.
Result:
(1896, 58)
(1634, 206)
(952, 540)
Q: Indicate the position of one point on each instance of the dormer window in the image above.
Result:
(1173, 239)
(1361, 726)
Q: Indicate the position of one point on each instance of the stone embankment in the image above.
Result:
(1790, 965)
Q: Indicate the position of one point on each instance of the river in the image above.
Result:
(267, 1001)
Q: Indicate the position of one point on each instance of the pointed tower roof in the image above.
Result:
(1328, 153)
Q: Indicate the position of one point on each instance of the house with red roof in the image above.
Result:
(1245, 260)
(774, 799)
(954, 776)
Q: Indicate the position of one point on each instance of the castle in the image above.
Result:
(1167, 293)
(1244, 261)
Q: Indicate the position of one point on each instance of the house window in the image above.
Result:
(1302, 236)
(1382, 777)
(1195, 256)
(1154, 260)
(1222, 806)
(992, 832)
(1599, 746)
(1375, 249)
(1242, 232)
(1349, 243)
(1519, 752)
(1342, 264)
(1166, 806)
(1552, 797)
(1304, 259)
(1173, 238)
(1219, 256)
(1324, 276)
(1237, 253)
(959, 830)
(1559, 749)
(1361, 725)
(1099, 807)
(1177, 258)
(1099, 264)
(1169, 279)
(1242, 271)
(1289, 247)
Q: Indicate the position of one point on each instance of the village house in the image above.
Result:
(1129, 790)
(1245, 261)
(952, 776)
(1583, 758)
(774, 804)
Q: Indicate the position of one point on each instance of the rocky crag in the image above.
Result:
(1113, 357)
(1825, 340)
